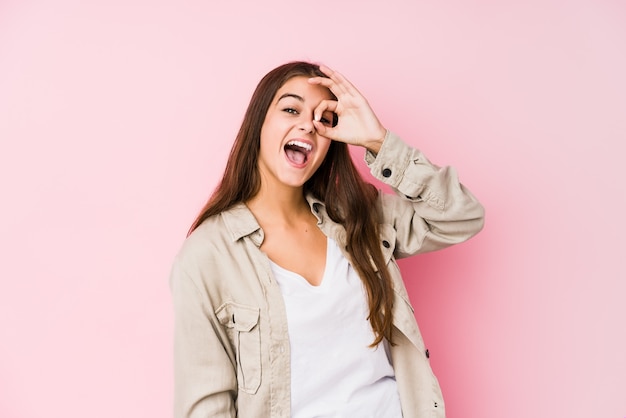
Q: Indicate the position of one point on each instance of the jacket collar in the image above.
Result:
(241, 222)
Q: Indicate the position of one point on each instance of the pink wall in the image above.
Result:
(115, 120)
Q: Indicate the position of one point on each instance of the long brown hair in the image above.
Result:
(348, 198)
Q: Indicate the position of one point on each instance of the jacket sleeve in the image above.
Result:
(205, 379)
(431, 209)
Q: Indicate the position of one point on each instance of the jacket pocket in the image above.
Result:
(242, 323)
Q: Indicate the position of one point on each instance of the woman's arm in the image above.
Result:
(433, 209)
(205, 379)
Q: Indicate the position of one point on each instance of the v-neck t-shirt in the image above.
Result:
(334, 371)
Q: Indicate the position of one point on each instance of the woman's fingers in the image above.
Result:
(325, 118)
(326, 82)
(357, 123)
(322, 108)
(323, 129)
(339, 89)
(335, 82)
(339, 80)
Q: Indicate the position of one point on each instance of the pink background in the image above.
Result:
(116, 118)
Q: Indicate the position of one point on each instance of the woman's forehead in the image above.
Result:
(299, 88)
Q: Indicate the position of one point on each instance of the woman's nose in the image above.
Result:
(306, 124)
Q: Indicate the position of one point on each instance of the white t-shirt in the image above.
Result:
(334, 372)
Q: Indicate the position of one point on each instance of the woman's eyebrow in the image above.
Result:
(295, 96)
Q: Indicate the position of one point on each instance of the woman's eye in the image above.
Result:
(329, 119)
(291, 110)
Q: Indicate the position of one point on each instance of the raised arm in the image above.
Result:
(432, 209)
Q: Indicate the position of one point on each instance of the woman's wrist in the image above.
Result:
(373, 146)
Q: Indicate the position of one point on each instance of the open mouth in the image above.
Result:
(298, 152)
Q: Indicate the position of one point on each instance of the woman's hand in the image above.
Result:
(357, 123)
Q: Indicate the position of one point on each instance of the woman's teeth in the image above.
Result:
(304, 145)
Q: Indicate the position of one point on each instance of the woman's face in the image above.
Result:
(291, 149)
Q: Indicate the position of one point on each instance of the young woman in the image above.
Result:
(287, 295)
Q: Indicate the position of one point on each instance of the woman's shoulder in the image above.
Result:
(213, 252)
(217, 233)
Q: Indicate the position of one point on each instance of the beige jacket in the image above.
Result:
(231, 338)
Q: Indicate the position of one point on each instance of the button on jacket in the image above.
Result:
(231, 344)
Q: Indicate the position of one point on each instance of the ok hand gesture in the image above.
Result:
(357, 123)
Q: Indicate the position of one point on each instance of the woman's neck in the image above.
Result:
(279, 206)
